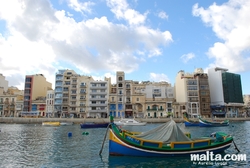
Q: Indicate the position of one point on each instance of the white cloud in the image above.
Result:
(122, 11)
(230, 23)
(159, 77)
(186, 57)
(38, 37)
(80, 7)
(162, 15)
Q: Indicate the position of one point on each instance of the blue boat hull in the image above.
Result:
(94, 125)
(190, 124)
(213, 125)
(204, 123)
(116, 149)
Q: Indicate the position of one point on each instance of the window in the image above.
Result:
(137, 99)
(93, 102)
(93, 84)
(102, 102)
(103, 84)
(120, 78)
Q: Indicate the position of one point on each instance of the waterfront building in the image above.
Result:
(11, 102)
(246, 99)
(7, 103)
(138, 99)
(50, 104)
(35, 86)
(159, 99)
(117, 97)
(98, 98)
(128, 98)
(192, 93)
(80, 96)
(225, 92)
(3, 83)
(39, 106)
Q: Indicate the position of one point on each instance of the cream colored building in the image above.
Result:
(80, 96)
(129, 98)
(11, 102)
(35, 86)
(192, 93)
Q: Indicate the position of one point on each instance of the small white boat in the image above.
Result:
(66, 123)
(129, 122)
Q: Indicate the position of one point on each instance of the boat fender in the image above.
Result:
(85, 133)
(69, 134)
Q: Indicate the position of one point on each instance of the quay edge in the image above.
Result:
(19, 120)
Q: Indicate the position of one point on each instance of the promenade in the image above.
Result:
(20, 120)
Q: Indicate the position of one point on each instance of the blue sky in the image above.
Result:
(147, 39)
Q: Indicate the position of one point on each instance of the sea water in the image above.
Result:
(34, 145)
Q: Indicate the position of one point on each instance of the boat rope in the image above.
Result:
(235, 147)
(104, 140)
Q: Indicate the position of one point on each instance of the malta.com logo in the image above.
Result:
(209, 158)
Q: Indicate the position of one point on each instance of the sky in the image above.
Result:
(150, 40)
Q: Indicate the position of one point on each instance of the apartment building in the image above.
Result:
(79, 95)
(3, 83)
(11, 102)
(39, 106)
(35, 86)
(50, 103)
(159, 99)
(129, 98)
(138, 99)
(226, 92)
(98, 98)
(192, 93)
(117, 96)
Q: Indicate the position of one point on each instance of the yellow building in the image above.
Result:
(35, 86)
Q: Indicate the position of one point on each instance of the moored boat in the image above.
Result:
(94, 125)
(51, 123)
(189, 122)
(129, 121)
(66, 123)
(205, 123)
(163, 141)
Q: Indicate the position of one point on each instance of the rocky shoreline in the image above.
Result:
(19, 120)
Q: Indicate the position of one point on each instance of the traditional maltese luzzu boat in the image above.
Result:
(165, 140)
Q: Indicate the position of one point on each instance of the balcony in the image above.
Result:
(98, 105)
(98, 111)
(98, 99)
(154, 109)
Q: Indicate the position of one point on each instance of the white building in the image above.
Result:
(3, 83)
(50, 103)
(98, 95)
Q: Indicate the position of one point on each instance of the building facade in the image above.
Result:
(35, 86)
(192, 93)
(226, 92)
(3, 83)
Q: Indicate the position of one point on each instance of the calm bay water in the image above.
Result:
(30, 145)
